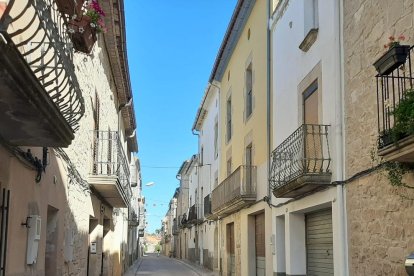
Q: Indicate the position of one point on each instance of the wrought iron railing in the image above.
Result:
(39, 32)
(109, 159)
(390, 90)
(304, 152)
(241, 183)
(207, 205)
(192, 214)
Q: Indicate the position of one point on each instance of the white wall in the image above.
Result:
(291, 65)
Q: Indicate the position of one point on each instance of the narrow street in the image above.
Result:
(163, 266)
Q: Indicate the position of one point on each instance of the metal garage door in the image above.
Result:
(319, 243)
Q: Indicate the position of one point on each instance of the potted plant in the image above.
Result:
(83, 30)
(404, 116)
(3, 6)
(70, 7)
(394, 57)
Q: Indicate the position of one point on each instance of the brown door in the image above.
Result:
(260, 244)
(313, 143)
(231, 265)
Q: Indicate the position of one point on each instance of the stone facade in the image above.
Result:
(379, 216)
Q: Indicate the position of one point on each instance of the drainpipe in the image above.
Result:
(340, 142)
(268, 107)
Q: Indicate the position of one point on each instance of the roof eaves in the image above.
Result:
(237, 23)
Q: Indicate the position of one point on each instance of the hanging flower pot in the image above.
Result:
(392, 59)
(70, 7)
(82, 34)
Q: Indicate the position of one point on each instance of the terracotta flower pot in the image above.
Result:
(392, 59)
(70, 7)
(82, 34)
(3, 6)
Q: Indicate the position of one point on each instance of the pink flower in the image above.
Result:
(392, 38)
(401, 37)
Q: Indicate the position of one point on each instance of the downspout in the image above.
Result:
(196, 199)
(268, 107)
(340, 142)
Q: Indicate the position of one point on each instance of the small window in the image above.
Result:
(311, 15)
(201, 156)
(229, 119)
(249, 91)
(215, 140)
(228, 166)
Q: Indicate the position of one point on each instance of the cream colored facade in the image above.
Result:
(80, 231)
(245, 68)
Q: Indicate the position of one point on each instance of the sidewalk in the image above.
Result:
(134, 268)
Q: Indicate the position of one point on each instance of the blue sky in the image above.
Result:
(172, 46)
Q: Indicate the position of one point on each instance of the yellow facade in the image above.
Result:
(251, 49)
(250, 52)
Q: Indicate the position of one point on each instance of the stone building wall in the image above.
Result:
(379, 216)
(367, 26)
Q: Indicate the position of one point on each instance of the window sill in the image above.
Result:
(309, 39)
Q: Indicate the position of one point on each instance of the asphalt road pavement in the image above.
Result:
(164, 266)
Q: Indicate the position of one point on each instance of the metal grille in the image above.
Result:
(390, 90)
(39, 32)
(241, 183)
(110, 159)
(304, 152)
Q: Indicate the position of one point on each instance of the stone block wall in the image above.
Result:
(380, 226)
(379, 216)
(367, 26)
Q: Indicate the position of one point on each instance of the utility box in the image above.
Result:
(34, 225)
(409, 264)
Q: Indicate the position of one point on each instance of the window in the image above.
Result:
(249, 164)
(228, 166)
(310, 24)
(311, 15)
(229, 119)
(249, 91)
(201, 155)
(215, 139)
(310, 104)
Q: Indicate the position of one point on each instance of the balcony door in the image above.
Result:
(249, 164)
(311, 131)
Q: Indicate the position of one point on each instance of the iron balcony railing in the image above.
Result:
(390, 90)
(304, 152)
(241, 183)
(192, 214)
(40, 34)
(207, 206)
(109, 159)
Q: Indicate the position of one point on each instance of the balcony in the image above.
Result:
(192, 215)
(238, 190)
(396, 137)
(207, 208)
(110, 170)
(40, 99)
(300, 164)
(175, 228)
